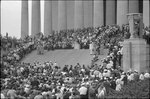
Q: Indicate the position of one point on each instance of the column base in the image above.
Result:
(135, 55)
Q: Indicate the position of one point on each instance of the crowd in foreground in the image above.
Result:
(49, 81)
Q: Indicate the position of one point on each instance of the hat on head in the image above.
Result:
(44, 93)
(63, 85)
(82, 84)
(87, 83)
(111, 77)
(136, 71)
(105, 78)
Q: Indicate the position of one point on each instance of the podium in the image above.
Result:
(76, 45)
(136, 55)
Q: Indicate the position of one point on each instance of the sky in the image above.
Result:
(11, 17)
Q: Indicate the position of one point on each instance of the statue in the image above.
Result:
(135, 23)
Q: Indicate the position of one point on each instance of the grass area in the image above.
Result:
(62, 57)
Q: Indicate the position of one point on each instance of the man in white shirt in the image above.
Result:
(96, 73)
(141, 77)
(2, 96)
(147, 75)
(83, 91)
(107, 73)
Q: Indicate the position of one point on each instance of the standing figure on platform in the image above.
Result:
(37, 47)
(40, 48)
(92, 48)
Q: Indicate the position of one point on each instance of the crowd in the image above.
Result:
(49, 81)
(84, 37)
(6, 42)
(65, 39)
(146, 34)
(101, 36)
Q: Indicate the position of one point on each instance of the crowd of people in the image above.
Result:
(49, 81)
(6, 42)
(65, 39)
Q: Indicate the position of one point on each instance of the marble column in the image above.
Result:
(122, 10)
(24, 19)
(133, 6)
(54, 15)
(98, 14)
(0, 17)
(146, 12)
(70, 14)
(79, 18)
(110, 12)
(62, 15)
(36, 18)
(88, 13)
(47, 17)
